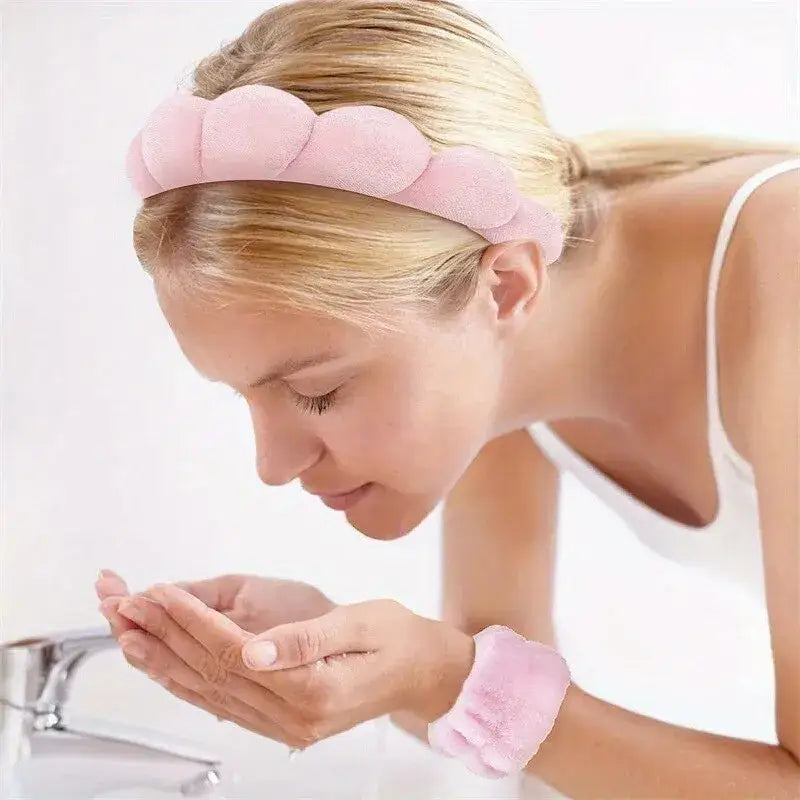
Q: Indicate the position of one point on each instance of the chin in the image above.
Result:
(392, 518)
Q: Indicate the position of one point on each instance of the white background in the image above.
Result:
(115, 453)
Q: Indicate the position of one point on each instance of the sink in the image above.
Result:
(64, 778)
(67, 766)
(46, 753)
(63, 766)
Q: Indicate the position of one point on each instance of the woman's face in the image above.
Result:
(405, 412)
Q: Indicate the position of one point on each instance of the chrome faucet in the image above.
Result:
(36, 675)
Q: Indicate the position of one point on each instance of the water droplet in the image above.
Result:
(202, 784)
(294, 752)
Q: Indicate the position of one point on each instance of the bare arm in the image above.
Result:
(499, 549)
(597, 749)
(498, 546)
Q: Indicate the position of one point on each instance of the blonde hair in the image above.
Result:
(361, 259)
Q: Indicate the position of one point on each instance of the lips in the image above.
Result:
(333, 494)
(345, 500)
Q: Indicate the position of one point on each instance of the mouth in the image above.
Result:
(345, 500)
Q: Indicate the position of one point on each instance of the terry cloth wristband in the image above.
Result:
(507, 705)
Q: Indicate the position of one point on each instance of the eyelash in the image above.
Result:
(315, 405)
(311, 405)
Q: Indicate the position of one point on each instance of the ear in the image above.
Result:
(516, 276)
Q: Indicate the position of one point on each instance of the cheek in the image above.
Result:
(416, 464)
(420, 444)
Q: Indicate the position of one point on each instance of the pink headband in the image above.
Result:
(259, 132)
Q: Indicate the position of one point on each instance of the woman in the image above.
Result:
(404, 361)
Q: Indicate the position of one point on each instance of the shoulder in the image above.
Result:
(758, 285)
(763, 255)
(769, 249)
(758, 300)
(765, 248)
(769, 238)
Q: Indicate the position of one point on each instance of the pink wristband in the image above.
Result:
(507, 706)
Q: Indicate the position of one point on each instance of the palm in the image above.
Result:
(258, 604)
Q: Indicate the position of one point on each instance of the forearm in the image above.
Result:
(597, 749)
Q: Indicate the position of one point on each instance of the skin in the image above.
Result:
(625, 386)
(413, 444)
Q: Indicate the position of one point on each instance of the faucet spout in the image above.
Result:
(36, 676)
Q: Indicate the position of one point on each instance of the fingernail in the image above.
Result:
(134, 648)
(130, 610)
(259, 654)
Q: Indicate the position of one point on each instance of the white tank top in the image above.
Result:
(730, 545)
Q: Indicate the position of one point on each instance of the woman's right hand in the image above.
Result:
(255, 604)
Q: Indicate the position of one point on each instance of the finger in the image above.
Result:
(217, 593)
(185, 624)
(241, 618)
(109, 584)
(220, 636)
(261, 725)
(290, 695)
(105, 587)
(237, 695)
(141, 666)
(151, 616)
(345, 629)
(198, 699)
(222, 669)
(109, 608)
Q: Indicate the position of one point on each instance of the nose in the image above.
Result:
(283, 450)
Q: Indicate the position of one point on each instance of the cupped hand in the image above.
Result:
(254, 603)
(330, 672)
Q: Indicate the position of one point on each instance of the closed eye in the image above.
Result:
(311, 405)
(315, 405)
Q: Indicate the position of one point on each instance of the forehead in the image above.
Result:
(187, 313)
(231, 341)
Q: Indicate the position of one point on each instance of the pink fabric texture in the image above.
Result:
(259, 132)
(507, 706)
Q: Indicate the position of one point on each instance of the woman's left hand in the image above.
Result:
(355, 663)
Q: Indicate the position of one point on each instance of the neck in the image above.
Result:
(601, 341)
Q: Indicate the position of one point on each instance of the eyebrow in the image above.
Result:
(292, 365)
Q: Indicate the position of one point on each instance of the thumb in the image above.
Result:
(346, 629)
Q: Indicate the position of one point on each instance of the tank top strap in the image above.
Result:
(718, 437)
